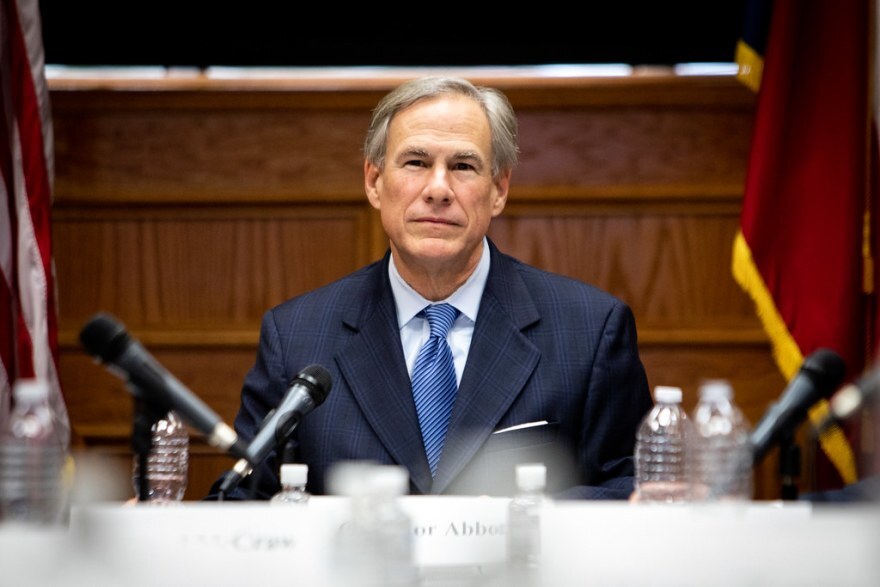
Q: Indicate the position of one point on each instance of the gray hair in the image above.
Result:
(502, 118)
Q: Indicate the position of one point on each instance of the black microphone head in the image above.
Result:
(826, 368)
(104, 337)
(317, 379)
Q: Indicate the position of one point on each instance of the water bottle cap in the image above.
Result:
(666, 394)
(294, 474)
(716, 389)
(532, 476)
(366, 478)
(389, 480)
(30, 390)
(348, 477)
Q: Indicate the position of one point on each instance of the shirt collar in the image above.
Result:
(466, 298)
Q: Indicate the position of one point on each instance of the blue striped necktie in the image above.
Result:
(433, 381)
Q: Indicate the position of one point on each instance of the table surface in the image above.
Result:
(457, 541)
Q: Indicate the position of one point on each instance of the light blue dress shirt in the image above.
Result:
(414, 329)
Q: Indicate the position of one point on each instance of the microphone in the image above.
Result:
(850, 398)
(820, 374)
(107, 341)
(307, 391)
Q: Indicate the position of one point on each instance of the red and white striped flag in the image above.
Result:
(28, 311)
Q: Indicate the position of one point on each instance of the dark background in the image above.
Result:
(267, 33)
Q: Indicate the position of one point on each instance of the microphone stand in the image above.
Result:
(285, 449)
(146, 414)
(789, 466)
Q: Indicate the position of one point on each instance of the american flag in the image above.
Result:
(28, 297)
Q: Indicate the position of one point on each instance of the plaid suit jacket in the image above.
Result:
(548, 352)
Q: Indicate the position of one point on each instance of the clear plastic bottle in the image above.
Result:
(32, 459)
(294, 477)
(524, 520)
(168, 462)
(661, 450)
(375, 545)
(720, 455)
(394, 529)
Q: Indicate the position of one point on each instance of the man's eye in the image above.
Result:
(415, 163)
(463, 167)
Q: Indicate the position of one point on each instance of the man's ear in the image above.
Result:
(502, 187)
(372, 179)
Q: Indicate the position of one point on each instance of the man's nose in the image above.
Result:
(439, 188)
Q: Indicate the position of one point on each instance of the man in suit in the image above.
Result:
(547, 368)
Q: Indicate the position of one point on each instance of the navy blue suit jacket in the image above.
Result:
(544, 348)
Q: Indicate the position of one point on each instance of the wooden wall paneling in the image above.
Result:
(188, 215)
(672, 267)
(205, 268)
(191, 285)
(173, 147)
(188, 208)
(613, 149)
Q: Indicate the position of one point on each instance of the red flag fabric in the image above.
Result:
(804, 251)
(28, 313)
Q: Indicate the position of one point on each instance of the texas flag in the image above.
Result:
(809, 224)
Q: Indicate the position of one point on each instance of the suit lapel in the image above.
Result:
(374, 368)
(500, 361)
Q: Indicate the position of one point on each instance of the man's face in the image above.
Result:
(436, 195)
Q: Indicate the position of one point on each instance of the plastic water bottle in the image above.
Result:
(524, 521)
(374, 547)
(720, 456)
(394, 529)
(168, 461)
(293, 485)
(33, 455)
(661, 450)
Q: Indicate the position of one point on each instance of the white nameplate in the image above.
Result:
(452, 530)
(237, 543)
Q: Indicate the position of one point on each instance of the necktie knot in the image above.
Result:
(440, 318)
